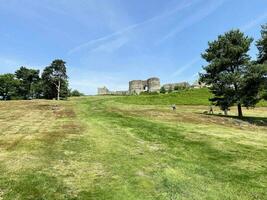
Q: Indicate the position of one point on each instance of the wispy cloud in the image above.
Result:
(32, 13)
(183, 5)
(195, 17)
(254, 22)
(186, 66)
(111, 46)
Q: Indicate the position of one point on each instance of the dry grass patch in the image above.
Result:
(96, 148)
(29, 128)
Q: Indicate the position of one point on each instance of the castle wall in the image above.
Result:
(136, 86)
(153, 85)
(150, 85)
(171, 86)
(105, 91)
(102, 91)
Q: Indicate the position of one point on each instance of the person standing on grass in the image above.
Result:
(211, 110)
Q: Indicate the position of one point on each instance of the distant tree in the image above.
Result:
(264, 90)
(54, 80)
(264, 84)
(262, 58)
(27, 77)
(262, 45)
(76, 93)
(229, 72)
(38, 89)
(254, 78)
(170, 90)
(162, 90)
(49, 89)
(8, 85)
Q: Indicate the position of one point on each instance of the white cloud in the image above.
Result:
(186, 66)
(195, 17)
(168, 13)
(254, 22)
(111, 46)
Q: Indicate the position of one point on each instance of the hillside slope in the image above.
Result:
(186, 97)
(96, 148)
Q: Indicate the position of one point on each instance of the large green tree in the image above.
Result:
(8, 85)
(27, 77)
(54, 79)
(262, 58)
(262, 45)
(231, 77)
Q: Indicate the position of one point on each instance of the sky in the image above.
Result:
(110, 42)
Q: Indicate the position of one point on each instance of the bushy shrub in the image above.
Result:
(162, 90)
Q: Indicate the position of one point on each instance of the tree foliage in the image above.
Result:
(262, 59)
(262, 45)
(55, 81)
(8, 86)
(27, 77)
(76, 93)
(162, 90)
(26, 83)
(233, 79)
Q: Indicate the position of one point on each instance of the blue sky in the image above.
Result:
(109, 42)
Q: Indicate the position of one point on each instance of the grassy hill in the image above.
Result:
(99, 148)
(185, 97)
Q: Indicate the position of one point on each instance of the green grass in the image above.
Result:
(184, 97)
(262, 104)
(104, 148)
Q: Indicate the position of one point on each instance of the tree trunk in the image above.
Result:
(239, 108)
(5, 96)
(30, 91)
(58, 90)
(225, 112)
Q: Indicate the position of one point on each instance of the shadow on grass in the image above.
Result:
(259, 121)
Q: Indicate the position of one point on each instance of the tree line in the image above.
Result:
(27, 83)
(232, 76)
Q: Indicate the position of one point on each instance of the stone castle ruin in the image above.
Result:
(172, 86)
(150, 85)
(105, 91)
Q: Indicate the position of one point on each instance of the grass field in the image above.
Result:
(123, 148)
(184, 97)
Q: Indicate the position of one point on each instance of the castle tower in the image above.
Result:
(136, 87)
(153, 84)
